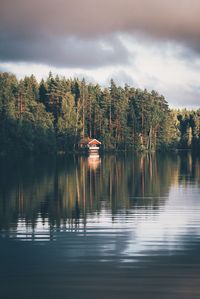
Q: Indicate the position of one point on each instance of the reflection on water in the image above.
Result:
(129, 209)
(94, 161)
(138, 195)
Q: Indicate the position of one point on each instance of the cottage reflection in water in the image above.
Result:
(94, 161)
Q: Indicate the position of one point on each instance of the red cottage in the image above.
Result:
(91, 145)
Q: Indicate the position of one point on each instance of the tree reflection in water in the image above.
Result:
(41, 196)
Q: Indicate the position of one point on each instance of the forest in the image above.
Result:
(52, 116)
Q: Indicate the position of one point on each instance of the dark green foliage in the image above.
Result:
(25, 125)
(52, 117)
(189, 126)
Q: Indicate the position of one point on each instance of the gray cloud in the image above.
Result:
(179, 96)
(121, 78)
(72, 32)
(178, 18)
(63, 51)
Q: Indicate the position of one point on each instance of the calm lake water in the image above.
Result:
(108, 227)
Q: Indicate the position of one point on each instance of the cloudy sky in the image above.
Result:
(153, 44)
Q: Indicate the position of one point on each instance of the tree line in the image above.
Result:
(54, 114)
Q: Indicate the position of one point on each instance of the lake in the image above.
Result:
(115, 226)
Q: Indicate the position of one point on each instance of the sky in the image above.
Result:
(153, 44)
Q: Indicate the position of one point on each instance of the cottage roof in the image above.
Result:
(94, 141)
(87, 140)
